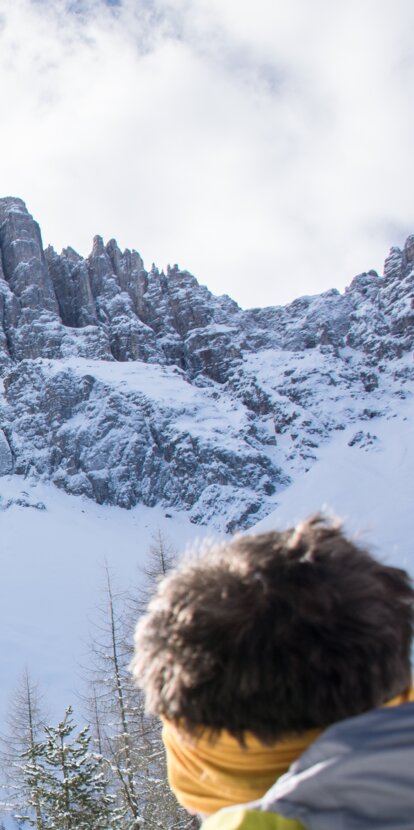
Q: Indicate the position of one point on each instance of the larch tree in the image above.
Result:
(161, 805)
(20, 761)
(128, 738)
(159, 560)
(114, 706)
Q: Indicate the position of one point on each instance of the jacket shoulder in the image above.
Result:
(240, 818)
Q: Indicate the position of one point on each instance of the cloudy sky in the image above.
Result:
(267, 147)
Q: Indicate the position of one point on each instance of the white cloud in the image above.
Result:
(267, 150)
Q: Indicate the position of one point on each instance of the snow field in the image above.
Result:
(369, 485)
(52, 573)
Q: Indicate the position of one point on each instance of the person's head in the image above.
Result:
(276, 633)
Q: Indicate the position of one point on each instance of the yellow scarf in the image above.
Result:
(207, 775)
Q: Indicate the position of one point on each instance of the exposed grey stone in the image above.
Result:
(123, 448)
(6, 457)
(24, 264)
(71, 283)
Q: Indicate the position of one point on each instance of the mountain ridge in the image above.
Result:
(236, 402)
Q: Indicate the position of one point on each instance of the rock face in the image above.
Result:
(6, 458)
(126, 385)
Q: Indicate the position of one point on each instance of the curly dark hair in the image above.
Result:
(276, 633)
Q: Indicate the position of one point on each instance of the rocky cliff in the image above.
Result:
(126, 385)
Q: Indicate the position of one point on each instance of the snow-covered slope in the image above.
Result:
(53, 554)
(128, 433)
(364, 476)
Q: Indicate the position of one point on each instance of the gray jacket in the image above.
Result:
(359, 775)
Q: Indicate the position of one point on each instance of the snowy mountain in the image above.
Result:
(122, 388)
(134, 387)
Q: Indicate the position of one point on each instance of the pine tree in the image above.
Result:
(69, 780)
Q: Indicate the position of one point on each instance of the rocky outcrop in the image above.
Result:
(122, 446)
(23, 261)
(228, 404)
(70, 280)
(6, 458)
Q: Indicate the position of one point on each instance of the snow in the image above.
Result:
(52, 571)
(194, 409)
(164, 384)
(370, 487)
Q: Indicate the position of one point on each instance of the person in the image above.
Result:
(280, 666)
